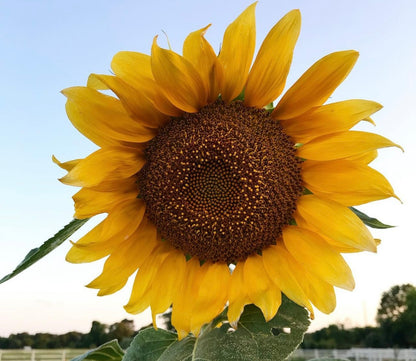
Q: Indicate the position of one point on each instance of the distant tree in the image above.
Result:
(404, 328)
(42, 340)
(97, 336)
(4, 342)
(393, 303)
(397, 316)
(123, 331)
(70, 340)
(99, 333)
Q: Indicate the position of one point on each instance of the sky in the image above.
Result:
(46, 46)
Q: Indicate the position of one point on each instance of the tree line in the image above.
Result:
(396, 327)
(123, 331)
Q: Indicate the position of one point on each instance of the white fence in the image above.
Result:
(359, 354)
(40, 355)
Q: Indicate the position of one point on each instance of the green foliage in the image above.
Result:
(36, 254)
(338, 337)
(369, 221)
(123, 332)
(150, 344)
(99, 333)
(110, 351)
(397, 327)
(393, 303)
(397, 314)
(254, 339)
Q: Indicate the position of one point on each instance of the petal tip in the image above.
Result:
(295, 14)
(395, 196)
(181, 334)
(399, 146)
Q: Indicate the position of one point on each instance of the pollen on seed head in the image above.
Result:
(221, 184)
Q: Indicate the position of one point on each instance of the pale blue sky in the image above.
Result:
(50, 45)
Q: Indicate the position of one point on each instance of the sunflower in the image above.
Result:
(213, 195)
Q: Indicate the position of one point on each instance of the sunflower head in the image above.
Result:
(214, 195)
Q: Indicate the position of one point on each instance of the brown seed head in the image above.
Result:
(222, 183)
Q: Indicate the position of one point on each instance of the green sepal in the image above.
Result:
(109, 351)
(36, 254)
(269, 107)
(369, 221)
(253, 340)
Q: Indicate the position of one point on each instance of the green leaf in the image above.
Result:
(254, 340)
(150, 344)
(36, 254)
(369, 221)
(109, 351)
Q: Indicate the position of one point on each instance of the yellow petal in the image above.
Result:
(200, 54)
(337, 246)
(135, 69)
(316, 85)
(365, 158)
(167, 282)
(275, 261)
(126, 259)
(237, 53)
(78, 253)
(66, 165)
(329, 118)
(102, 118)
(212, 295)
(123, 220)
(320, 293)
(116, 184)
(267, 77)
(334, 221)
(136, 101)
(182, 308)
(106, 164)
(125, 217)
(140, 296)
(262, 292)
(165, 106)
(90, 202)
(343, 145)
(318, 257)
(178, 79)
(346, 182)
(237, 296)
